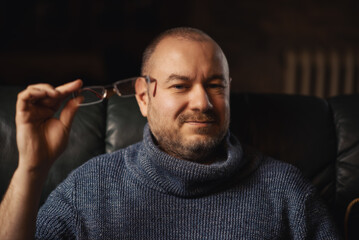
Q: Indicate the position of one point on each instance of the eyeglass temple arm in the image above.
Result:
(110, 91)
(150, 80)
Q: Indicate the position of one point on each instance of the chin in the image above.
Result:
(209, 132)
(201, 141)
(198, 137)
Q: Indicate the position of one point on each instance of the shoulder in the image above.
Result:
(285, 179)
(278, 176)
(269, 167)
(279, 169)
(106, 165)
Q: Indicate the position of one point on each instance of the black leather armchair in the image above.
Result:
(320, 137)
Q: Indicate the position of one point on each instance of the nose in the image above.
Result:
(199, 99)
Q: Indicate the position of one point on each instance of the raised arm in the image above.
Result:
(41, 138)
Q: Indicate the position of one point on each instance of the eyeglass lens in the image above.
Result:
(126, 88)
(95, 94)
(92, 95)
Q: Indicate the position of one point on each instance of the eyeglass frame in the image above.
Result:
(114, 89)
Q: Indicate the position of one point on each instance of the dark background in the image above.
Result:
(56, 41)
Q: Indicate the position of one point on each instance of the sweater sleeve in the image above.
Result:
(310, 219)
(57, 217)
(317, 222)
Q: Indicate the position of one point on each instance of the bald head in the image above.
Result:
(181, 33)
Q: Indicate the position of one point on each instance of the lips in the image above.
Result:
(198, 118)
(199, 122)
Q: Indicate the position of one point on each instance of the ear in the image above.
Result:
(141, 95)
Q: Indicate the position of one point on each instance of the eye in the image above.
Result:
(215, 86)
(180, 87)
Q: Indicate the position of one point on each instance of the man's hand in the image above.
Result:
(41, 138)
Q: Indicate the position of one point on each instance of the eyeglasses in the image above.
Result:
(96, 94)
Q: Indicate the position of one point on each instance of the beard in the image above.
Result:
(196, 149)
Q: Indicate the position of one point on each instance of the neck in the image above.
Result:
(187, 178)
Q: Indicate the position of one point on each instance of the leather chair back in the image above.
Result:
(320, 137)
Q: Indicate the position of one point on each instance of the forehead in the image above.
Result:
(188, 57)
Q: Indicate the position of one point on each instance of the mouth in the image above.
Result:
(198, 120)
(200, 123)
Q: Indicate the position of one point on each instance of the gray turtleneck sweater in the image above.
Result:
(141, 192)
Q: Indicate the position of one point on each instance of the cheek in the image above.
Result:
(221, 106)
(168, 107)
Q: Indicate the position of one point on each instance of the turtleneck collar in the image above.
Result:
(184, 178)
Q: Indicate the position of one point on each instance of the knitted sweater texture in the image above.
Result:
(141, 192)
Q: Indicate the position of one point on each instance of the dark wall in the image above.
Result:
(102, 41)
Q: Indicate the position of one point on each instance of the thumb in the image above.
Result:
(68, 112)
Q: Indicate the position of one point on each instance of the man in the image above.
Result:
(188, 179)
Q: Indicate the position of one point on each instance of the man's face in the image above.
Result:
(188, 113)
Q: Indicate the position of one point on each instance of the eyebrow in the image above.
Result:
(216, 76)
(173, 77)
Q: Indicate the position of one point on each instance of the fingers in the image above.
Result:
(68, 112)
(34, 93)
(46, 94)
(70, 87)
